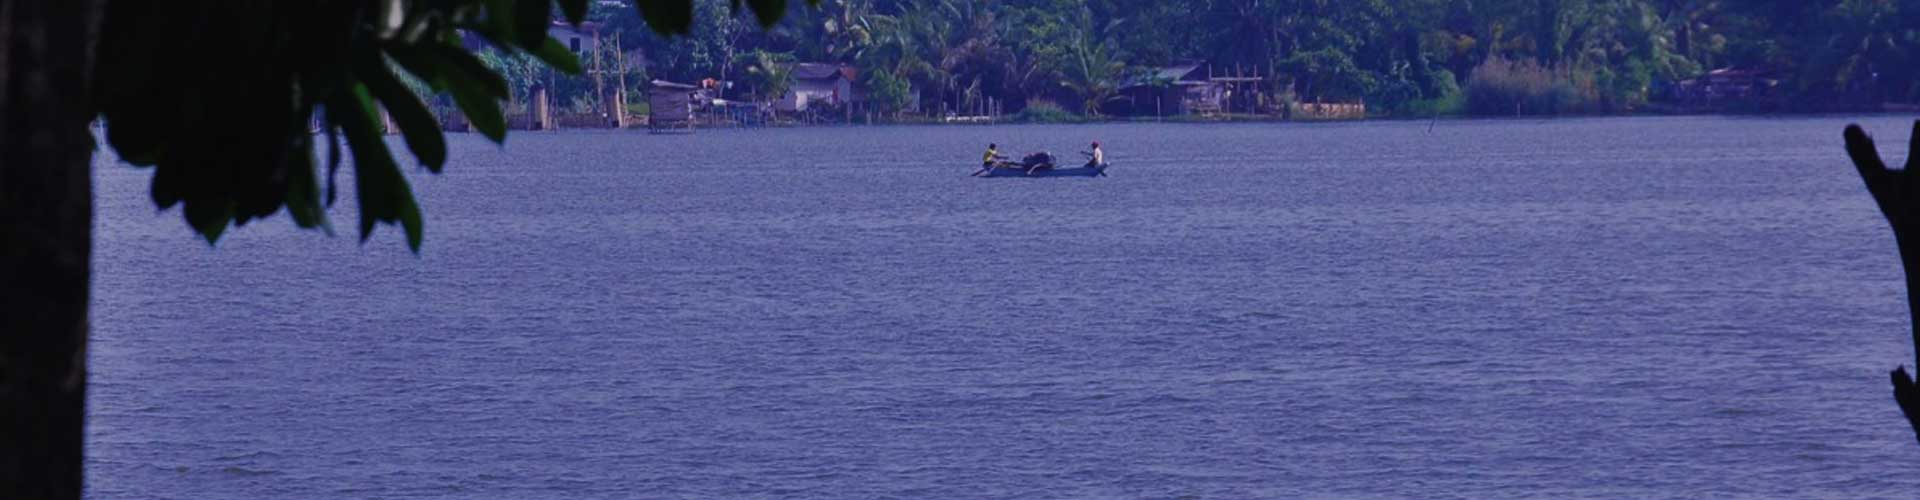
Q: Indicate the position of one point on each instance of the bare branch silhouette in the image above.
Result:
(1895, 191)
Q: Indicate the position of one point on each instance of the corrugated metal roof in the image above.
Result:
(815, 71)
(1175, 72)
(1165, 74)
(672, 85)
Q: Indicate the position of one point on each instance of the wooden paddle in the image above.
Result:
(996, 164)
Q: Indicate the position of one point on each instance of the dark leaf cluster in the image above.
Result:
(231, 102)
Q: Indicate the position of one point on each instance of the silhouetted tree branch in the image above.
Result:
(221, 100)
(1895, 191)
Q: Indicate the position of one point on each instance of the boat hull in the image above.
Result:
(1047, 172)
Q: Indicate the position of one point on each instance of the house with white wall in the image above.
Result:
(582, 40)
(817, 84)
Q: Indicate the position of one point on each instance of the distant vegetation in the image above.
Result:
(1504, 87)
(1045, 112)
(1414, 57)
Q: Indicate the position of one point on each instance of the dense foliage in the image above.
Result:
(232, 142)
(1405, 56)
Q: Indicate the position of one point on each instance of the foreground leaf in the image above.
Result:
(383, 193)
(420, 127)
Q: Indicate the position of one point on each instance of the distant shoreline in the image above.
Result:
(1266, 118)
(1382, 118)
(1223, 119)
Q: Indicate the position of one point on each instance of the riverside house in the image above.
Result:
(1726, 86)
(818, 85)
(1187, 88)
(582, 40)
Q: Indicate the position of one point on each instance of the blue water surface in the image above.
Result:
(1584, 308)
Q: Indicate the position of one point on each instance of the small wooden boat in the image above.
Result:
(1017, 171)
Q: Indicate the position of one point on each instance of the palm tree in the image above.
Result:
(1091, 69)
(771, 74)
(1866, 42)
(1689, 20)
(894, 50)
(938, 44)
(931, 26)
(1026, 74)
(847, 30)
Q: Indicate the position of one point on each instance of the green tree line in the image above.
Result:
(1399, 56)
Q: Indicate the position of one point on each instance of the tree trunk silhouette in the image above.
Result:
(1898, 194)
(46, 212)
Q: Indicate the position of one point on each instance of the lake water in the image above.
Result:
(1623, 307)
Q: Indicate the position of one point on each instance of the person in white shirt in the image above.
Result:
(1096, 157)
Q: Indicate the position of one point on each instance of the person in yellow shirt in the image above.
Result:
(993, 156)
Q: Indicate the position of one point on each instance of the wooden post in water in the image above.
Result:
(540, 116)
(599, 79)
(620, 95)
(620, 104)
